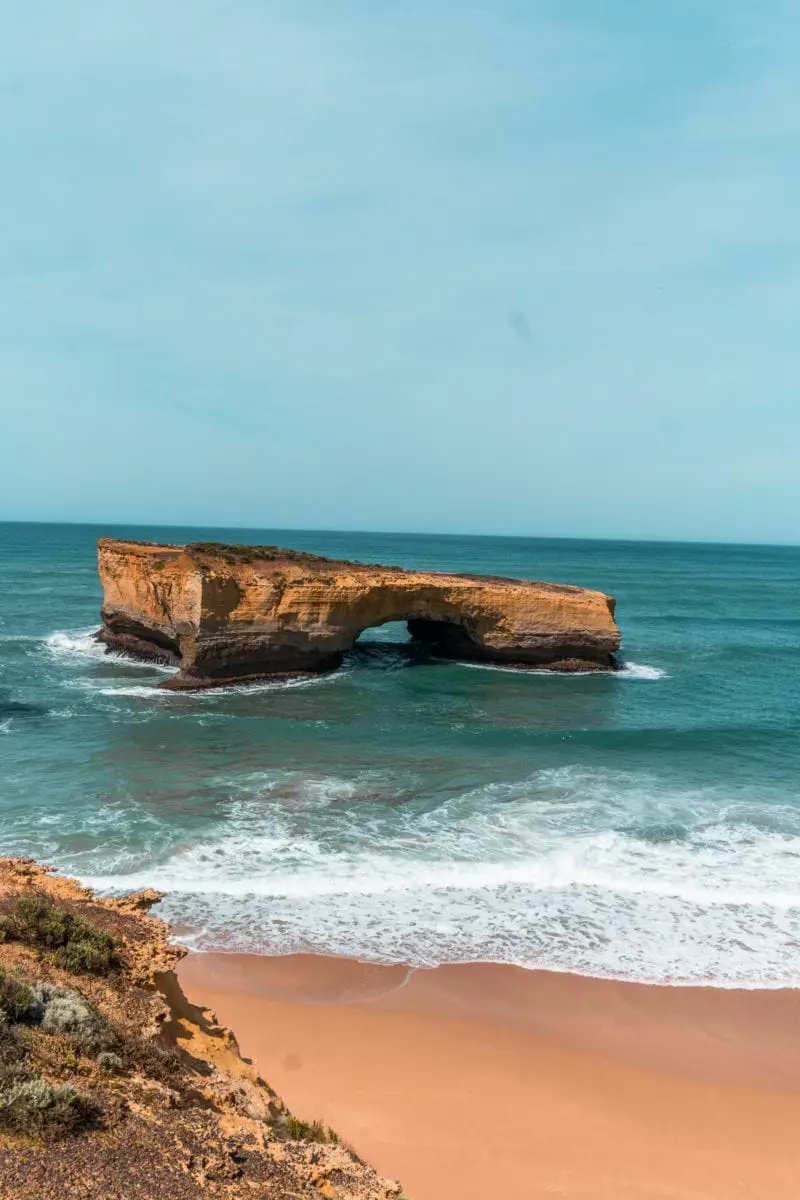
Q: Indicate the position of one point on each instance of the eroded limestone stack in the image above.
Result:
(233, 613)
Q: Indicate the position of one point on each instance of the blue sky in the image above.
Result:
(509, 267)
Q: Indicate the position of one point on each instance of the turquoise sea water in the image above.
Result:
(643, 825)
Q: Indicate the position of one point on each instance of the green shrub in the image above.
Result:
(110, 1062)
(36, 1107)
(17, 1001)
(87, 957)
(59, 1010)
(56, 1010)
(305, 1131)
(78, 947)
(36, 920)
(11, 1053)
(237, 553)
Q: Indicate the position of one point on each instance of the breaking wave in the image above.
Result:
(640, 824)
(81, 646)
(597, 872)
(632, 670)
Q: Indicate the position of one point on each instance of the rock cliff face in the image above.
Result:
(232, 613)
(163, 1105)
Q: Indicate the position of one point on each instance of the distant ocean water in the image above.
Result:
(644, 825)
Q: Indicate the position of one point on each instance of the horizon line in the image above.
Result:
(530, 537)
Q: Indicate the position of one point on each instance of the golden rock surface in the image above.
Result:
(233, 613)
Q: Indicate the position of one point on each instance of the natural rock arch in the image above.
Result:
(224, 613)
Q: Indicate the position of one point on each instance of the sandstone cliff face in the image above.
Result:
(179, 1114)
(224, 613)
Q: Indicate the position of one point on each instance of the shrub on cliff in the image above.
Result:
(59, 1010)
(77, 946)
(36, 1107)
(307, 1131)
(11, 1052)
(54, 1010)
(233, 553)
(17, 1004)
(150, 1056)
(92, 955)
(108, 1061)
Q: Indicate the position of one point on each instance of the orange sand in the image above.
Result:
(481, 1082)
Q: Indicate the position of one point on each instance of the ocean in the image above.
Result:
(642, 825)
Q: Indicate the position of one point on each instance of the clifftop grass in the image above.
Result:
(240, 553)
(77, 946)
(30, 1104)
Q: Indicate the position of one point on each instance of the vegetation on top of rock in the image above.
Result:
(307, 1131)
(35, 1106)
(33, 919)
(17, 1003)
(53, 1009)
(240, 553)
(108, 1061)
(150, 1056)
(62, 1012)
(30, 1105)
(65, 1011)
(151, 1091)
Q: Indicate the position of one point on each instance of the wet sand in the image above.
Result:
(479, 1082)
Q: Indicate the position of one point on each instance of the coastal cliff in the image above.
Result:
(114, 1087)
(233, 613)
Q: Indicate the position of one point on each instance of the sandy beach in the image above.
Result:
(482, 1081)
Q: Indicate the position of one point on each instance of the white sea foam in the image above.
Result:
(153, 692)
(628, 670)
(140, 690)
(478, 666)
(5, 726)
(270, 685)
(82, 646)
(632, 670)
(556, 871)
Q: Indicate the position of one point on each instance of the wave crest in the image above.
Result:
(569, 870)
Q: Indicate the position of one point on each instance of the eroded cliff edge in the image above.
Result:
(114, 1087)
(231, 613)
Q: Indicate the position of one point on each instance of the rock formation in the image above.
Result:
(233, 613)
(114, 1087)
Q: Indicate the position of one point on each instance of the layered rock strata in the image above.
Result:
(227, 614)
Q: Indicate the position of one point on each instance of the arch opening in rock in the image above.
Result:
(447, 639)
(415, 638)
(388, 633)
